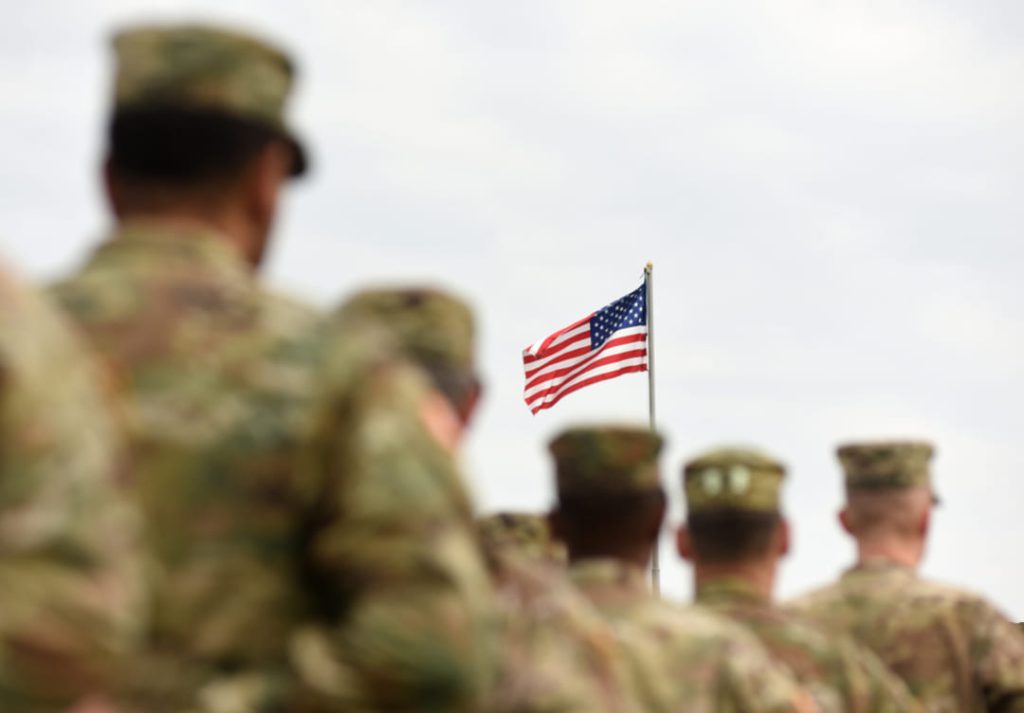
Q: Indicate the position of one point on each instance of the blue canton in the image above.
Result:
(623, 313)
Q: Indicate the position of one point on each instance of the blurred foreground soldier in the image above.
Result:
(610, 511)
(735, 536)
(267, 447)
(954, 650)
(556, 654)
(71, 603)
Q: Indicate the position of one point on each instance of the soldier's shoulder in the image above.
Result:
(824, 595)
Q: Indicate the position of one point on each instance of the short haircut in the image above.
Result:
(886, 510)
(732, 535)
(171, 146)
(606, 519)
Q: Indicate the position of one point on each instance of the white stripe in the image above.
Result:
(535, 347)
(585, 374)
(541, 364)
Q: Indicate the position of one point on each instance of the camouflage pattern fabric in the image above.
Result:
(886, 464)
(606, 459)
(206, 69)
(953, 649)
(733, 478)
(286, 472)
(558, 653)
(527, 534)
(682, 659)
(839, 674)
(435, 328)
(71, 572)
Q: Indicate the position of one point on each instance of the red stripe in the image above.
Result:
(530, 358)
(575, 370)
(547, 342)
(587, 382)
(613, 342)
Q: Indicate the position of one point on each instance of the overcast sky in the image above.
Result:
(830, 193)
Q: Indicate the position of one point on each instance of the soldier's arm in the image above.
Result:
(998, 652)
(407, 595)
(872, 686)
(756, 682)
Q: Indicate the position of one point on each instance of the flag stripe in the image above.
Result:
(576, 356)
(639, 359)
(548, 343)
(587, 382)
(582, 337)
(597, 358)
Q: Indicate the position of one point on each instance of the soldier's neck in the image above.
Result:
(907, 553)
(229, 226)
(759, 575)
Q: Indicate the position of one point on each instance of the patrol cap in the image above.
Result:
(435, 327)
(523, 532)
(205, 68)
(733, 478)
(886, 464)
(597, 460)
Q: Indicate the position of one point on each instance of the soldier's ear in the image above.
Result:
(684, 543)
(111, 190)
(844, 520)
(925, 523)
(784, 541)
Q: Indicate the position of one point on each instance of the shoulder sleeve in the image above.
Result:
(392, 545)
(998, 652)
(756, 682)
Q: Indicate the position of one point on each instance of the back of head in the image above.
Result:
(888, 487)
(610, 501)
(192, 106)
(434, 328)
(732, 499)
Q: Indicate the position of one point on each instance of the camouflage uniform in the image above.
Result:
(527, 534)
(70, 567)
(839, 674)
(955, 651)
(679, 659)
(556, 653)
(308, 526)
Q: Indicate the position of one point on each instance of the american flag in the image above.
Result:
(607, 343)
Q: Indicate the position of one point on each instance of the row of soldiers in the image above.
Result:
(214, 499)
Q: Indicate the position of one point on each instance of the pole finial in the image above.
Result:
(650, 266)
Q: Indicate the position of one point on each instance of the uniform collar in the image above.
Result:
(173, 244)
(608, 570)
(729, 589)
(879, 566)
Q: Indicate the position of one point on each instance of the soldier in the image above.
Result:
(609, 513)
(556, 652)
(953, 649)
(70, 570)
(526, 533)
(289, 474)
(735, 537)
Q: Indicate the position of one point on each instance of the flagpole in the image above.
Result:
(649, 283)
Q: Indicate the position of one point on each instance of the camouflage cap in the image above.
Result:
(733, 478)
(522, 532)
(886, 464)
(606, 459)
(434, 327)
(205, 68)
